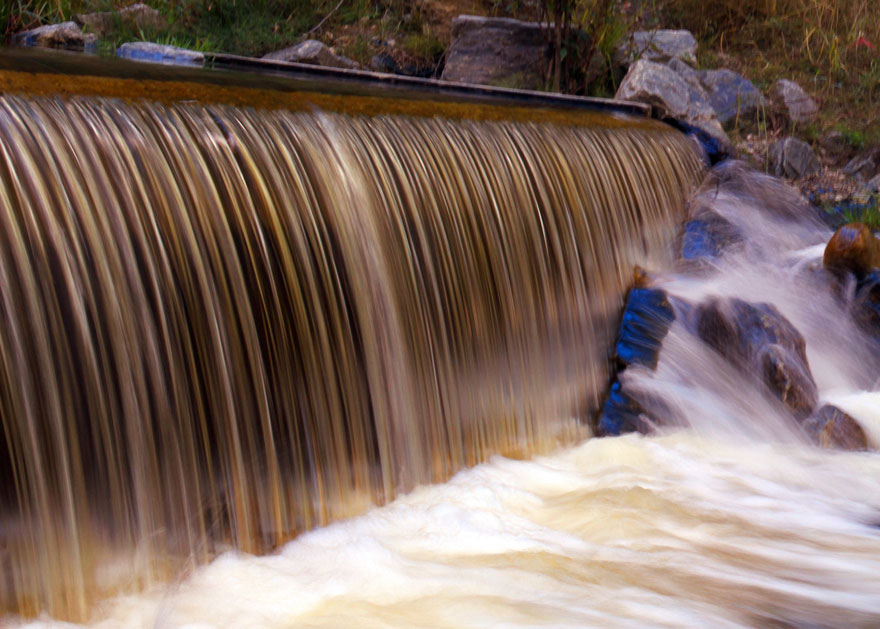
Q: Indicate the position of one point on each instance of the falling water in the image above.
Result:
(726, 517)
(222, 327)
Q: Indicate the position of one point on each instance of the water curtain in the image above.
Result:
(222, 326)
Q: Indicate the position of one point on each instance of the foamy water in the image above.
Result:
(674, 530)
(732, 519)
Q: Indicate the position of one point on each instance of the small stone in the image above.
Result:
(384, 63)
(800, 107)
(733, 97)
(874, 184)
(312, 52)
(865, 165)
(830, 427)
(659, 46)
(852, 249)
(793, 159)
(64, 35)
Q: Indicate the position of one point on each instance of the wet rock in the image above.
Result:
(865, 165)
(866, 306)
(646, 318)
(707, 235)
(312, 52)
(792, 158)
(657, 85)
(733, 97)
(65, 35)
(659, 46)
(801, 109)
(160, 53)
(852, 249)
(762, 343)
(829, 427)
(138, 16)
(496, 51)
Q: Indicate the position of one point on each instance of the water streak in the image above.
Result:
(223, 326)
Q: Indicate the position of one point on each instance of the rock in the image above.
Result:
(658, 45)
(707, 235)
(865, 165)
(800, 107)
(657, 85)
(646, 318)
(312, 52)
(700, 113)
(852, 249)
(763, 344)
(138, 16)
(160, 53)
(793, 159)
(384, 63)
(829, 427)
(733, 97)
(64, 35)
(496, 51)
(874, 184)
(866, 305)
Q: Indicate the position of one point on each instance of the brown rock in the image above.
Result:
(761, 343)
(852, 249)
(830, 427)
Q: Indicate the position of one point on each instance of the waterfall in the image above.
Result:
(220, 326)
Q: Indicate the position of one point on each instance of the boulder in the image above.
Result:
(793, 159)
(761, 343)
(160, 53)
(496, 51)
(707, 235)
(732, 96)
(866, 306)
(137, 16)
(64, 35)
(657, 85)
(865, 165)
(800, 108)
(658, 45)
(852, 249)
(312, 52)
(829, 427)
(646, 318)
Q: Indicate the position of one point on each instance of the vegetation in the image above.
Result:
(831, 47)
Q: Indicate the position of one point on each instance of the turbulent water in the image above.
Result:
(221, 326)
(728, 518)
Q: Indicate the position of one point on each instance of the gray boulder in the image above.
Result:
(657, 85)
(800, 108)
(658, 45)
(160, 53)
(672, 94)
(732, 96)
(496, 51)
(138, 16)
(792, 158)
(312, 52)
(830, 427)
(64, 35)
(865, 165)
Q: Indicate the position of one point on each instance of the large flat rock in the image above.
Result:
(496, 51)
